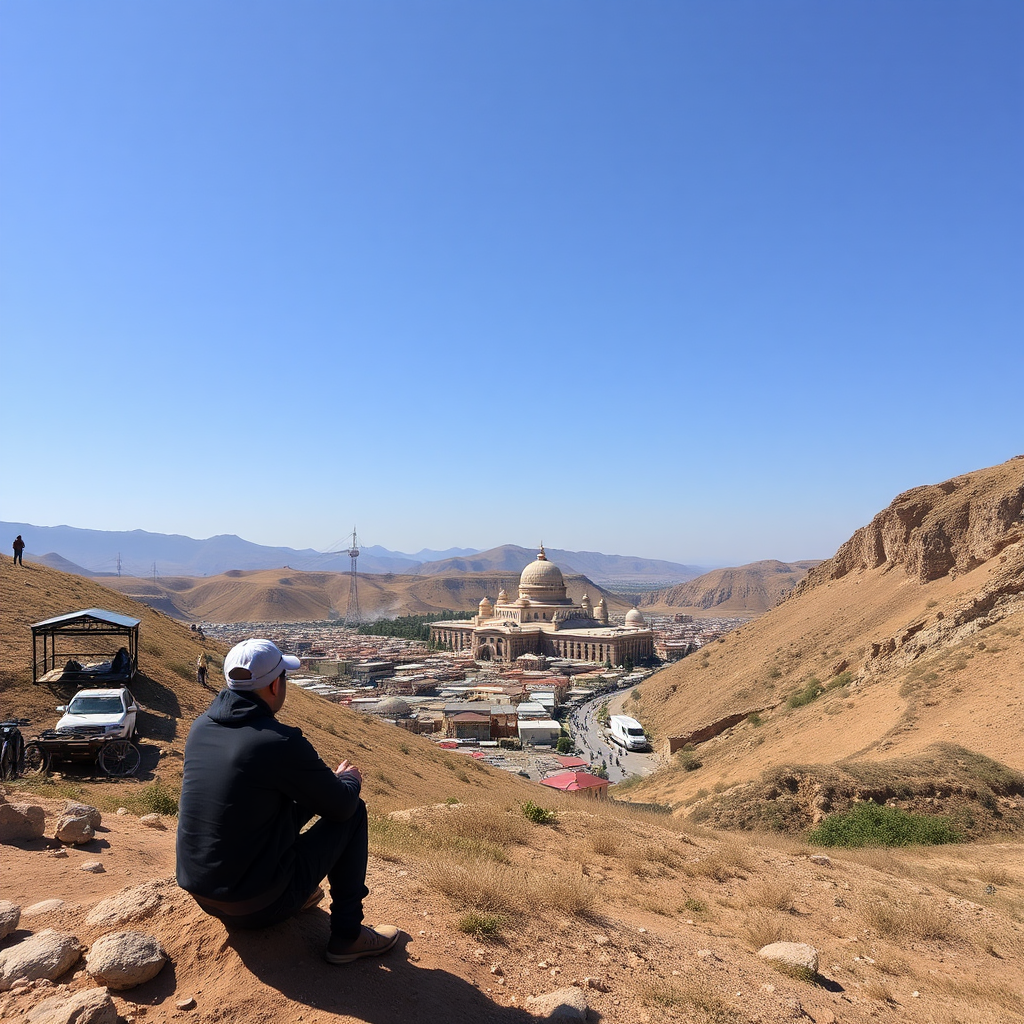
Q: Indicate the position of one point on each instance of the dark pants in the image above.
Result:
(17, 557)
(336, 850)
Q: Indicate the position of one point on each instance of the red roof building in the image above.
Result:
(571, 762)
(577, 782)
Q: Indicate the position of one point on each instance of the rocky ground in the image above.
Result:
(641, 921)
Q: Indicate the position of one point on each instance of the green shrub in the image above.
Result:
(482, 926)
(538, 815)
(564, 745)
(871, 824)
(811, 690)
(754, 719)
(842, 679)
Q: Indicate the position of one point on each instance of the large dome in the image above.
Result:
(542, 582)
(542, 573)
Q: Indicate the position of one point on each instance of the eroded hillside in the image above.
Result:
(743, 590)
(911, 636)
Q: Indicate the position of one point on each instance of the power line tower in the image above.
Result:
(352, 616)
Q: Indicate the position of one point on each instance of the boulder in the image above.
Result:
(21, 821)
(562, 1004)
(74, 829)
(129, 904)
(10, 915)
(87, 1006)
(153, 820)
(793, 956)
(47, 954)
(122, 960)
(44, 907)
(93, 866)
(78, 810)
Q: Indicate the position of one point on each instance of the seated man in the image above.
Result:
(250, 784)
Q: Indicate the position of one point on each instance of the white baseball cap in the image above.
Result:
(253, 664)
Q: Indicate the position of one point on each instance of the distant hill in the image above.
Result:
(609, 570)
(273, 595)
(752, 589)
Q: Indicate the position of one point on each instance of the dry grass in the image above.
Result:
(773, 894)
(728, 861)
(483, 887)
(692, 998)
(762, 928)
(919, 921)
(879, 989)
(605, 843)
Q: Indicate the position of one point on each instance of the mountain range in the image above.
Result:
(144, 554)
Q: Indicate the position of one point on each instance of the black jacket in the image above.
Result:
(250, 782)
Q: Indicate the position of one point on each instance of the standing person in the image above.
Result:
(250, 784)
(201, 668)
(19, 546)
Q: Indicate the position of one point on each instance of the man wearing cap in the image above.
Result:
(250, 784)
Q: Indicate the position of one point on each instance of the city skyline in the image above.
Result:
(699, 282)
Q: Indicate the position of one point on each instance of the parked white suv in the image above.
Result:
(100, 713)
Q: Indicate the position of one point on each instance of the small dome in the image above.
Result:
(392, 707)
(503, 596)
(634, 620)
(485, 603)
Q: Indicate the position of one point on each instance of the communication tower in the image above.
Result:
(352, 616)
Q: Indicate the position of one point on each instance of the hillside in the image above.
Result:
(744, 590)
(905, 645)
(273, 595)
(647, 918)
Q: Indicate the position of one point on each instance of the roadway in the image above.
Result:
(594, 744)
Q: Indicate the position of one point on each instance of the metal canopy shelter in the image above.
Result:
(86, 624)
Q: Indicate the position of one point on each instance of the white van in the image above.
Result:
(627, 732)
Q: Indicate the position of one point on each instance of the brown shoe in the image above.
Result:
(371, 942)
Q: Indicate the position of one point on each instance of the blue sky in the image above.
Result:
(703, 281)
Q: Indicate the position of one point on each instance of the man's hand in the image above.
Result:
(349, 769)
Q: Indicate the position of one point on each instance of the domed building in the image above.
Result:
(544, 620)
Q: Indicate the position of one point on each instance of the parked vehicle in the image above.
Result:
(107, 713)
(627, 732)
(12, 749)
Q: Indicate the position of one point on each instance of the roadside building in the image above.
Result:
(578, 782)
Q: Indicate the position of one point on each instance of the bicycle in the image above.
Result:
(12, 749)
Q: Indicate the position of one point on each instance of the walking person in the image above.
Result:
(201, 669)
(250, 784)
(19, 547)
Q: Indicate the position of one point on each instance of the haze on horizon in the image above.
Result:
(702, 282)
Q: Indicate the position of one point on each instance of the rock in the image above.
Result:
(47, 954)
(796, 956)
(601, 940)
(74, 829)
(58, 853)
(123, 960)
(87, 1006)
(127, 905)
(10, 915)
(122, 811)
(152, 821)
(598, 984)
(21, 821)
(187, 1003)
(78, 810)
(821, 859)
(43, 907)
(93, 866)
(562, 1004)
